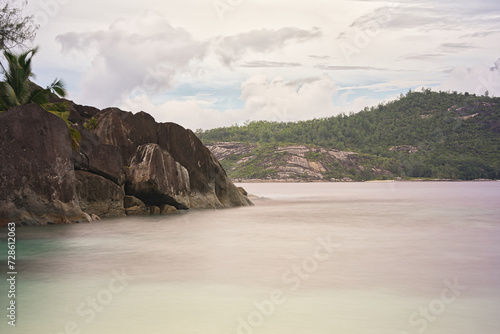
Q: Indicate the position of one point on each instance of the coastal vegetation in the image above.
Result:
(17, 89)
(422, 134)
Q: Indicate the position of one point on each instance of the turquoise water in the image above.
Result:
(311, 258)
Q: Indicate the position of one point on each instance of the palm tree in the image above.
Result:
(17, 90)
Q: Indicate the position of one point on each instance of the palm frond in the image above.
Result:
(39, 96)
(58, 87)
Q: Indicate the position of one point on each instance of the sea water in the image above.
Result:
(308, 258)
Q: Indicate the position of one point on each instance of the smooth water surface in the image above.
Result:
(308, 258)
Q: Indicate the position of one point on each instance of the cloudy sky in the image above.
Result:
(211, 63)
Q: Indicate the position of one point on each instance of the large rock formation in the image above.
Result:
(37, 178)
(165, 166)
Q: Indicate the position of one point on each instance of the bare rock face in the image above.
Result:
(210, 186)
(130, 201)
(125, 130)
(99, 158)
(99, 196)
(37, 179)
(166, 209)
(137, 211)
(156, 178)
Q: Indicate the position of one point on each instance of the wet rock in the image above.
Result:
(99, 196)
(154, 210)
(136, 211)
(130, 201)
(166, 209)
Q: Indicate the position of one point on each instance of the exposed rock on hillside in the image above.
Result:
(291, 163)
(404, 149)
(164, 165)
(224, 150)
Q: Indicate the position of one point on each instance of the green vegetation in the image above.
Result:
(91, 123)
(422, 135)
(15, 28)
(16, 90)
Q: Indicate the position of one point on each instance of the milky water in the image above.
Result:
(309, 258)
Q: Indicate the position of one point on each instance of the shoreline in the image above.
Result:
(236, 181)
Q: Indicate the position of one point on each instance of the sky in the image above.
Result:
(212, 63)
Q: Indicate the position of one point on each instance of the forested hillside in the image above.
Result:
(423, 134)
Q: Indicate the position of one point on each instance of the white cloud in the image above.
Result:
(146, 53)
(280, 100)
(264, 98)
(475, 80)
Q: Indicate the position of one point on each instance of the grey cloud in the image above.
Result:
(428, 16)
(423, 56)
(350, 68)
(320, 57)
(265, 63)
(230, 49)
(481, 34)
(441, 51)
(454, 47)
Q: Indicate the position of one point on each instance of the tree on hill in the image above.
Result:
(451, 135)
(15, 29)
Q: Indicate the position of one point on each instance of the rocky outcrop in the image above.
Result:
(37, 178)
(404, 149)
(156, 178)
(164, 166)
(224, 150)
(294, 163)
(210, 186)
(125, 130)
(96, 157)
(134, 206)
(98, 195)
